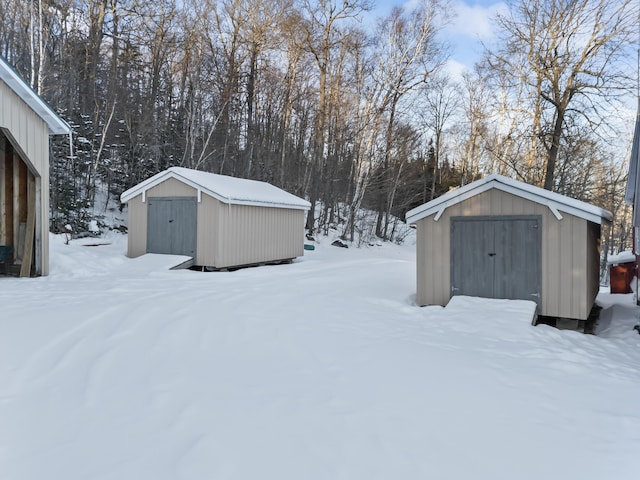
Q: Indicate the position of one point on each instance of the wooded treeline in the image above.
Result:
(327, 100)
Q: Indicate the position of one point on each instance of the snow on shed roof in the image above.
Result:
(554, 201)
(57, 126)
(229, 190)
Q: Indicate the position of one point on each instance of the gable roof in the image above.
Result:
(229, 190)
(57, 126)
(557, 203)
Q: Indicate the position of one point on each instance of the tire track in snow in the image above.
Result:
(58, 353)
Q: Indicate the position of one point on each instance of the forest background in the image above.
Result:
(351, 104)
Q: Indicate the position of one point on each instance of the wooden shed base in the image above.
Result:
(587, 326)
(184, 265)
(204, 268)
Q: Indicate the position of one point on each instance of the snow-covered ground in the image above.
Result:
(113, 368)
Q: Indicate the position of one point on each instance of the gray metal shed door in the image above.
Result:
(497, 257)
(172, 225)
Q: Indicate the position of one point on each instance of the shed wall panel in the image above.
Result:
(249, 235)
(171, 188)
(29, 136)
(29, 132)
(208, 231)
(566, 272)
(433, 256)
(593, 260)
(564, 253)
(137, 231)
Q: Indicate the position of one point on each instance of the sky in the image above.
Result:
(470, 26)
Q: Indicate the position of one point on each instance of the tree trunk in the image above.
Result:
(553, 150)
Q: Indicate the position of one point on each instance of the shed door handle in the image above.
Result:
(492, 254)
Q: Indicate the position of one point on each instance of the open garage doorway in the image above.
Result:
(20, 228)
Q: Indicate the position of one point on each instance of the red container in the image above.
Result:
(620, 277)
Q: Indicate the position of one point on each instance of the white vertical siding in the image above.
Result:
(208, 231)
(593, 261)
(29, 135)
(172, 188)
(567, 244)
(137, 227)
(433, 260)
(258, 234)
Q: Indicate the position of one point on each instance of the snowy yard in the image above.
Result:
(113, 368)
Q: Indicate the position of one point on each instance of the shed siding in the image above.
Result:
(565, 292)
(593, 260)
(208, 231)
(29, 132)
(250, 235)
(433, 262)
(29, 135)
(137, 231)
(172, 188)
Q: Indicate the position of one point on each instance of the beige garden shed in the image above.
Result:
(26, 122)
(219, 221)
(501, 238)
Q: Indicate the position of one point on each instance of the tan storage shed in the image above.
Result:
(26, 122)
(500, 238)
(219, 221)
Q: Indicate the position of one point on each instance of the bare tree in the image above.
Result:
(409, 53)
(322, 34)
(441, 103)
(476, 94)
(260, 34)
(567, 54)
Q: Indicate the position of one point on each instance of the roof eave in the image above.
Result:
(165, 175)
(56, 125)
(254, 203)
(592, 214)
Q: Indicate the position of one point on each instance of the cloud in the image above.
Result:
(472, 23)
(475, 20)
(455, 69)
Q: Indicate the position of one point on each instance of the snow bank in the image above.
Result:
(622, 257)
(491, 312)
(113, 368)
